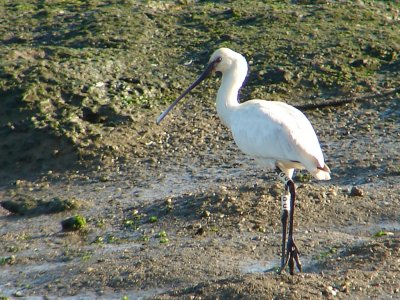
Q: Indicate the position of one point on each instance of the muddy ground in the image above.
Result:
(176, 211)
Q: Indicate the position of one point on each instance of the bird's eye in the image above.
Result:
(219, 59)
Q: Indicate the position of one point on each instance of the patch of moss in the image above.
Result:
(72, 69)
(73, 223)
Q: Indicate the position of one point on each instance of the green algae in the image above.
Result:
(74, 223)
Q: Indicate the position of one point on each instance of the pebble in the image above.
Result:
(356, 192)
(332, 192)
(206, 214)
(331, 290)
(18, 294)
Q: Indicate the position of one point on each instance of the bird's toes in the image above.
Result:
(293, 255)
(298, 262)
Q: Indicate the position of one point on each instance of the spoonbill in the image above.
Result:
(275, 134)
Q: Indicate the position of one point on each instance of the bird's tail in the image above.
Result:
(322, 173)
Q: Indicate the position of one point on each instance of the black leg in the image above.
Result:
(284, 218)
(292, 253)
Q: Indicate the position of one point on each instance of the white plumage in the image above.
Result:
(290, 141)
(275, 134)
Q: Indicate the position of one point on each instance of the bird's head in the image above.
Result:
(222, 60)
(225, 59)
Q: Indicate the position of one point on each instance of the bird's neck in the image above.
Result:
(227, 97)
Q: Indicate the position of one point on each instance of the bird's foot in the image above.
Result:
(292, 257)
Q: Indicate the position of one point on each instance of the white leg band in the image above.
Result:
(282, 176)
(286, 202)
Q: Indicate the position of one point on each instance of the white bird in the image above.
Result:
(275, 134)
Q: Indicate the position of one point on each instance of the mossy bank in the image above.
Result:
(77, 77)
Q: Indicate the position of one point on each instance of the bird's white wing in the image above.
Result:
(275, 130)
